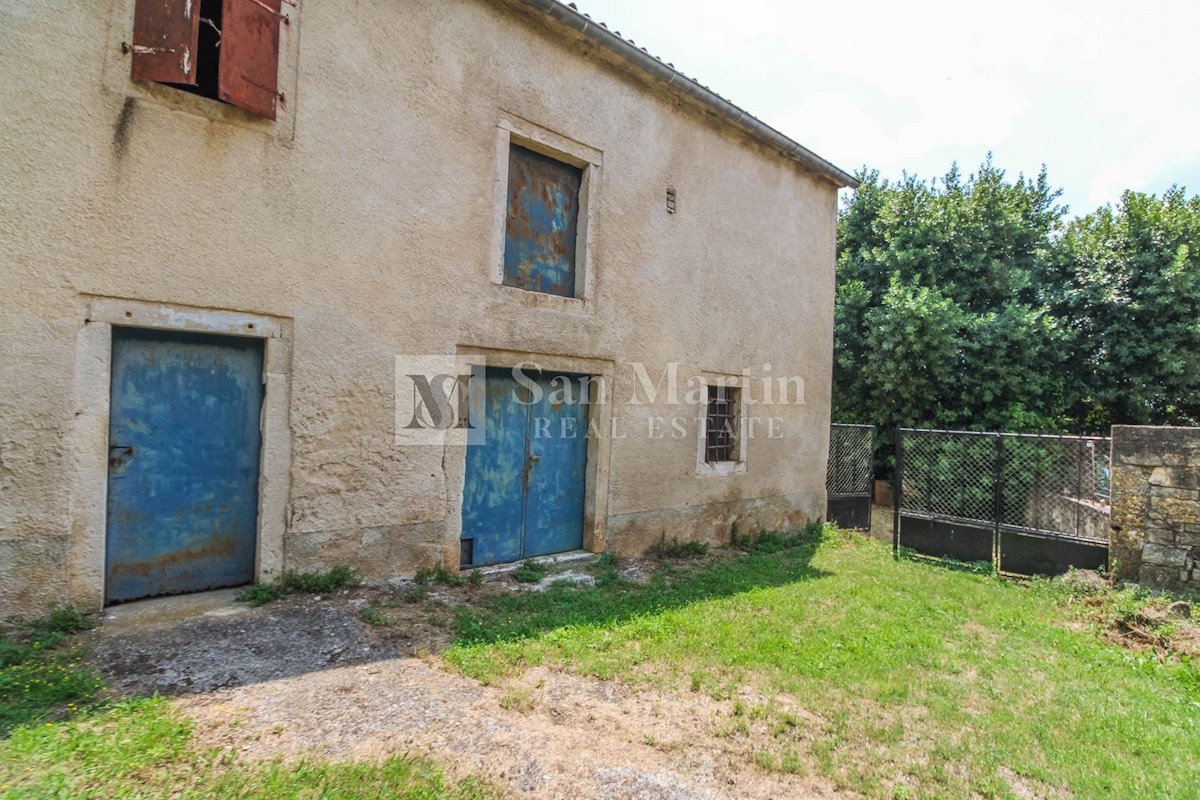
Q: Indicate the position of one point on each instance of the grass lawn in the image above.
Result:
(896, 678)
(915, 679)
(143, 749)
(40, 671)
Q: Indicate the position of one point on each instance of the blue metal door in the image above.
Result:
(183, 462)
(494, 491)
(557, 457)
(524, 489)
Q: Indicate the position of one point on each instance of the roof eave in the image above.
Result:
(667, 74)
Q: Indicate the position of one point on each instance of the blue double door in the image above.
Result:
(523, 494)
(183, 462)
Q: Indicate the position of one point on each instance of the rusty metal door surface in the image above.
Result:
(542, 223)
(183, 462)
(523, 493)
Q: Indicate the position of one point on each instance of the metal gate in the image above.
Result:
(848, 477)
(1030, 504)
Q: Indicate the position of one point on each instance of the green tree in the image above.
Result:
(939, 319)
(1126, 283)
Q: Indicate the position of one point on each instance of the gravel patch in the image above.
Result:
(230, 646)
(304, 677)
(582, 738)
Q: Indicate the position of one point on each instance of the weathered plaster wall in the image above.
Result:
(365, 216)
(1156, 505)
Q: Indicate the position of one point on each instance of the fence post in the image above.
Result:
(1080, 448)
(997, 500)
(897, 492)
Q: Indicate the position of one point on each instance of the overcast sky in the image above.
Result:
(1106, 94)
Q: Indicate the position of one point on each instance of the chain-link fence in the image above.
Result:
(1033, 504)
(848, 477)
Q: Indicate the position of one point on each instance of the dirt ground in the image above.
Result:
(304, 676)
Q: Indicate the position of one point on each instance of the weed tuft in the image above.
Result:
(530, 571)
(437, 574)
(372, 616)
(63, 619)
(605, 571)
(768, 542)
(677, 549)
(259, 594)
(518, 698)
(289, 582)
(340, 577)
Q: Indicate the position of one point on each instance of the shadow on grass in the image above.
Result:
(771, 559)
(40, 670)
(304, 634)
(973, 567)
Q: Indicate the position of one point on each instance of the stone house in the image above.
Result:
(246, 242)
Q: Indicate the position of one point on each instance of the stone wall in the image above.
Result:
(1155, 536)
(1062, 512)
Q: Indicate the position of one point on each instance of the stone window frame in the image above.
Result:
(510, 130)
(89, 432)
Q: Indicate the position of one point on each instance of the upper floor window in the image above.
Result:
(542, 223)
(224, 49)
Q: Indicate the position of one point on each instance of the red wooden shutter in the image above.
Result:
(249, 74)
(165, 34)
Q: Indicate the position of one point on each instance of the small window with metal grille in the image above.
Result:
(720, 424)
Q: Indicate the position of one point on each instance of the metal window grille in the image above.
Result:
(719, 430)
